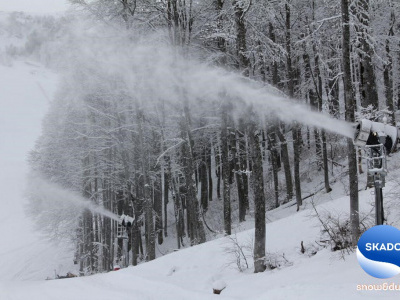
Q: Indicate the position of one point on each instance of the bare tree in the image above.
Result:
(259, 199)
(350, 108)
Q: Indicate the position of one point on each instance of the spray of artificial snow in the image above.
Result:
(56, 201)
(151, 70)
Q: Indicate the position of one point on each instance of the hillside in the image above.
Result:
(25, 90)
(301, 262)
(188, 273)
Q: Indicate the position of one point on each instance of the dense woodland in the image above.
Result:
(130, 130)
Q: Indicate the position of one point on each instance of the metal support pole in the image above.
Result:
(378, 204)
(376, 164)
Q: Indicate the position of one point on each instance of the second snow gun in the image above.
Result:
(368, 133)
(126, 220)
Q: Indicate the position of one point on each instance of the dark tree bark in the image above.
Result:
(286, 164)
(225, 170)
(195, 228)
(296, 131)
(275, 73)
(158, 209)
(241, 46)
(203, 173)
(272, 147)
(272, 136)
(369, 94)
(350, 110)
(218, 169)
(128, 11)
(388, 72)
(147, 201)
(317, 79)
(167, 178)
(239, 176)
(221, 43)
(314, 105)
(328, 188)
(398, 83)
(136, 234)
(323, 134)
(209, 170)
(107, 231)
(166, 170)
(178, 211)
(87, 255)
(180, 21)
(156, 186)
(259, 200)
(296, 145)
(243, 150)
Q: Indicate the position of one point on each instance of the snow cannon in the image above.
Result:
(126, 221)
(374, 133)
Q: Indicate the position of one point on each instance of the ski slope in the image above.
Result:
(26, 259)
(25, 90)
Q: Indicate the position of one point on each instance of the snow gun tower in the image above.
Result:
(121, 256)
(378, 140)
(124, 223)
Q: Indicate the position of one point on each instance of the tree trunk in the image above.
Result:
(203, 174)
(209, 173)
(272, 136)
(225, 170)
(259, 201)
(388, 73)
(328, 189)
(238, 177)
(135, 232)
(369, 94)
(167, 178)
(317, 79)
(88, 237)
(313, 96)
(296, 148)
(243, 149)
(274, 159)
(158, 208)
(286, 165)
(221, 43)
(296, 131)
(218, 168)
(241, 46)
(350, 110)
(196, 230)
(148, 203)
(398, 83)
(179, 221)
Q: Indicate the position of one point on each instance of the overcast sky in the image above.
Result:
(36, 6)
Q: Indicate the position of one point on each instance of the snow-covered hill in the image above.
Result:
(25, 90)
(26, 259)
(192, 273)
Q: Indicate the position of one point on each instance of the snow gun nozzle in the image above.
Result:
(126, 221)
(367, 132)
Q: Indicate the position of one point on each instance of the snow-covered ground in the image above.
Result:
(26, 259)
(25, 90)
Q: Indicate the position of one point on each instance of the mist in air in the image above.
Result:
(129, 71)
(151, 70)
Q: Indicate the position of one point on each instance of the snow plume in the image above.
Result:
(56, 210)
(108, 76)
(150, 70)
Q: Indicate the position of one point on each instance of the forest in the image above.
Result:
(191, 116)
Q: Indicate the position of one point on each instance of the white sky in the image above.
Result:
(35, 6)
